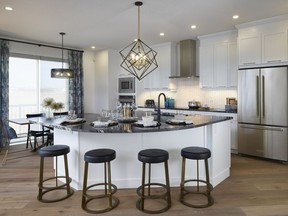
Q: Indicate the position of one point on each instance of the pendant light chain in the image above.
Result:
(62, 33)
(138, 22)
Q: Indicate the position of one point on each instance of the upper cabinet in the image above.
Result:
(218, 62)
(166, 59)
(263, 42)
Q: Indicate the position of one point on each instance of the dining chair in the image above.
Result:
(36, 133)
(8, 134)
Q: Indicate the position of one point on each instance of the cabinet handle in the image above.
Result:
(274, 61)
(249, 63)
(262, 128)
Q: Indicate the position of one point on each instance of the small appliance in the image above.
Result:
(126, 85)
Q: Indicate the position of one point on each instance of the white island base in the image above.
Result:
(126, 169)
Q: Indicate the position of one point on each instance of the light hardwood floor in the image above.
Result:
(255, 187)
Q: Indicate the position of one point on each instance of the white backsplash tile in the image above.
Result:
(188, 90)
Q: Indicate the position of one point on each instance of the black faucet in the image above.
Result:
(158, 110)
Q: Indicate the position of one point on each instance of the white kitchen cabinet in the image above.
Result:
(249, 43)
(206, 66)
(218, 60)
(166, 59)
(274, 43)
(263, 43)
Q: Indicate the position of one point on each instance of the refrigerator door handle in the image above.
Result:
(263, 96)
(257, 95)
(262, 128)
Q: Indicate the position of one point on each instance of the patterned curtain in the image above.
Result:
(4, 88)
(75, 61)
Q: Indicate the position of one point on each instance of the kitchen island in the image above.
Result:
(127, 139)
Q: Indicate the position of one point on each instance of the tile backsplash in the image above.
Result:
(188, 90)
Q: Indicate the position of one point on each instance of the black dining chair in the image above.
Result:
(60, 113)
(35, 134)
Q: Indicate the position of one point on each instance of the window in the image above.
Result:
(30, 83)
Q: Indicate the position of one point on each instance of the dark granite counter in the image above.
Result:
(201, 109)
(132, 127)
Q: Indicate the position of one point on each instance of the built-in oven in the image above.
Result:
(126, 85)
(127, 99)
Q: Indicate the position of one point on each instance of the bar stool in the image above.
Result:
(99, 156)
(196, 153)
(153, 156)
(54, 151)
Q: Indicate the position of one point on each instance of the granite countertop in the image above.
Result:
(198, 121)
(201, 109)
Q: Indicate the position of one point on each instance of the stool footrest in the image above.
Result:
(46, 189)
(86, 198)
(163, 196)
(158, 196)
(113, 191)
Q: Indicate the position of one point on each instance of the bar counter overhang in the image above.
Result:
(207, 131)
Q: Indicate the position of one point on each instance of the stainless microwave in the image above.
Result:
(126, 85)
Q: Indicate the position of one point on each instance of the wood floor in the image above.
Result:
(255, 187)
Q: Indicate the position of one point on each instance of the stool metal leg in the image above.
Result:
(67, 174)
(167, 184)
(84, 185)
(210, 199)
(40, 185)
(143, 186)
(182, 178)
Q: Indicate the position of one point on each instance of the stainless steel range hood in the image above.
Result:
(187, 60)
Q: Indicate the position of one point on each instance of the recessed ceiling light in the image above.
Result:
(93, 47)
(162, 34)
(193, 26)
(8, 8)
(235, 16)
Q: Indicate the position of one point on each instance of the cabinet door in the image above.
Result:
(274, 47)
(250, 50)
(159, 78)
(220, 66)
(233, 64)
(206, 66)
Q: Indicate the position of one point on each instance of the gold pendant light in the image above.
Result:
(138, 58)
(62, 72)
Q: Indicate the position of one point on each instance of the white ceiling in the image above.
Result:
(112, 24)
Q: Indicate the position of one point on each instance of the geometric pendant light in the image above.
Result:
(62, 72)
(138, 58)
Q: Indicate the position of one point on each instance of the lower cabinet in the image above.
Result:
(233, 122)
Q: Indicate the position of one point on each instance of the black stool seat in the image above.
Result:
(55, 150)
(100, 155)
(196, 153)
(153, 156)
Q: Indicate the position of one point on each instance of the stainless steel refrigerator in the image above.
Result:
(263, 112)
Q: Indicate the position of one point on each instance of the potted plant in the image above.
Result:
(47, 102)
